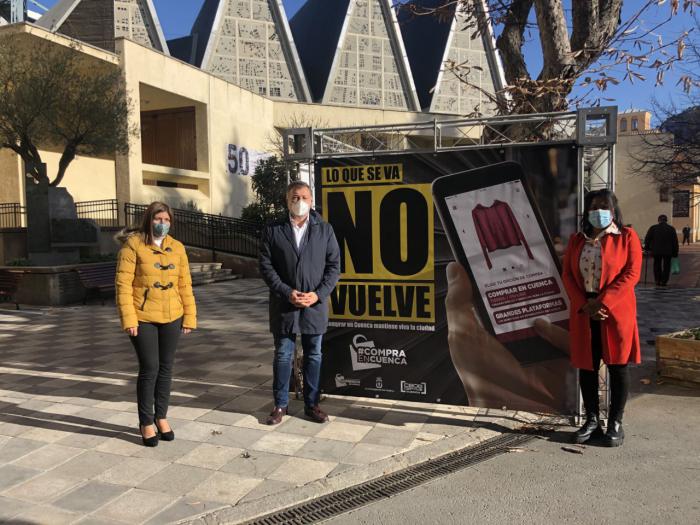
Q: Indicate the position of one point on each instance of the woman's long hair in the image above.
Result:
(146, 227)
(610, 197)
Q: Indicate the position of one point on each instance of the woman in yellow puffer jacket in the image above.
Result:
(156, 304)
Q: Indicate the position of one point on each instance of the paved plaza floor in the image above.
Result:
(70, 451)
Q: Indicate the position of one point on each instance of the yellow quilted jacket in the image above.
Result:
(154, 284)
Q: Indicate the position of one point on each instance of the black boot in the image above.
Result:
(591, 429)
(615, 435)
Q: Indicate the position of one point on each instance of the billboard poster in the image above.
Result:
(388, 329)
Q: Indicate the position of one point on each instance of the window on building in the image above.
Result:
(262, 90)
(635, 124)
(664, 194)
(275, 92)
(623, 124)
(169, 138)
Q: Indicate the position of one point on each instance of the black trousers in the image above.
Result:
(155, 347)
(662, 268)
(619, 381)
(686, 238)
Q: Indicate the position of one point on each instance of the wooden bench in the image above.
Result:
(98, 279)
(9, 282)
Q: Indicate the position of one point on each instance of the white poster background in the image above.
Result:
(510, 266)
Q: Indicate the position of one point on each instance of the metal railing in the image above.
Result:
(210, 232)
(104, 212)
(12, 215)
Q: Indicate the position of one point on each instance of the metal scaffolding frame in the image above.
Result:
(593, 131)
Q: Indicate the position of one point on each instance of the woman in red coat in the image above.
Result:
(602, 265)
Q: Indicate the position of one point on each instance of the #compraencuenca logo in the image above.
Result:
(365, 355)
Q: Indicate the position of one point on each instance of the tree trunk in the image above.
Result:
(67, 157)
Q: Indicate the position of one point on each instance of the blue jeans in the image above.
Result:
(282, 368)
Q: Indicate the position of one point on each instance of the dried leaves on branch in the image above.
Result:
(588, 43)
(55, 98)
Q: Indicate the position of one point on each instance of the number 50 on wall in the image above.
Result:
(238, 160)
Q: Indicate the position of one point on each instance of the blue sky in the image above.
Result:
(176, 17)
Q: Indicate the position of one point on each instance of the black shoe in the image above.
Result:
(591, 429)
(615, 435)
(151, 441)
(166, 436)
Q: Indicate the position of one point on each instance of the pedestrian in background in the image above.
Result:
(602, 265)
(686, 235)
(662, 242)
(300, 262)
(156, 304)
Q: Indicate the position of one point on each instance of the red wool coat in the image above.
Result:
(621, 267)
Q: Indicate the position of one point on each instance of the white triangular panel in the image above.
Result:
(99, 22)
(370, 68)
(247, 47)
(453, 95)
(136, 20)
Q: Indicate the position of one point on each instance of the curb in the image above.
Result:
(275, 502)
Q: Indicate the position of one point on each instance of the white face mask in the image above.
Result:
(300, 208)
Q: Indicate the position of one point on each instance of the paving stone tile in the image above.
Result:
(84, 440)
(186, 507)
(11, 429)
(47, 435)
(47, 515)
(89, 497)
(88, 464)
(170, 451)
(238, 437)
(15, 448)
(210, 456)
(184, 412)
(255, 465)
(403, 420)
(176, 479)
(98, 521)
(65, 409)
(257, 421)
(132, 471)
(325, 449)
(267, 488)
(365, 453)
(135, 506)
(221, 417)
(11, 475)
(10, 507)
(301, 471)
(48, 456)
(296, 425)
(225, 488)
(342, 431)
(389, 437)
(280, 443)
(198, 431)
(44, 487)
(121, 445)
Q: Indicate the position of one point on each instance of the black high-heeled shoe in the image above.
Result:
(165, 436)
(151, 441)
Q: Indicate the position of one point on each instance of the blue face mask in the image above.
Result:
(160, 229)
(600, 219)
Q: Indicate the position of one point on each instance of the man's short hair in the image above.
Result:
(297, 184)
(663, 218)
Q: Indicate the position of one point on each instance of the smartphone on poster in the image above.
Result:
(497, 233)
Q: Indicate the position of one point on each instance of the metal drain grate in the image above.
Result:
(345, 500)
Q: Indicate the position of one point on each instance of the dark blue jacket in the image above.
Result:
(314, 267)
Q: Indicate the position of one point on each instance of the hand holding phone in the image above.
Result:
(490, 374)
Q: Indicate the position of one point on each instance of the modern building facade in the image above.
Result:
(209, 105)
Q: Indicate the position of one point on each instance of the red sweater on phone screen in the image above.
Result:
(497, 228)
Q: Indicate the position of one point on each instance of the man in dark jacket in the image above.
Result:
(662, 241)
(300, 262)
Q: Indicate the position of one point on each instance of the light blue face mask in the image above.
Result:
(600, 219)
(160, 229)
